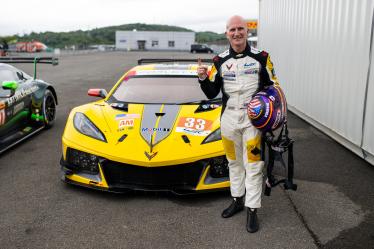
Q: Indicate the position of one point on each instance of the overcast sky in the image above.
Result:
(23, 16)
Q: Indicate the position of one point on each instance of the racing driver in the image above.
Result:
(239, 73)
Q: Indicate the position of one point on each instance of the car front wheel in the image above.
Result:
(49, 109)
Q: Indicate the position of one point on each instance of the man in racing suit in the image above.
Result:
(239, 73)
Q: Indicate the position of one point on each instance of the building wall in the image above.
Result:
(321, 51)
(154, 40)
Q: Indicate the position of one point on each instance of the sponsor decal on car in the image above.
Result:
(154, 129)
(2, 105)
(124, 116)
(127, 122)
(150, 155)
(21, 94)
(192, 132)
(211, 106)
(2, 116)
(166, 72)
(194, 126)
(18, 107)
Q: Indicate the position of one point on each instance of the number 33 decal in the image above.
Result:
(198, 124)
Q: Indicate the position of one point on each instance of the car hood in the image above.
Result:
(150, 134)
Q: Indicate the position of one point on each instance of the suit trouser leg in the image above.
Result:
(253, 167)
(242, 145)
(233, 144)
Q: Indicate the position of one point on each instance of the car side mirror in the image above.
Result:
(11, 85)
(97, 93)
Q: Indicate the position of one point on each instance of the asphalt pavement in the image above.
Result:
(332, 208)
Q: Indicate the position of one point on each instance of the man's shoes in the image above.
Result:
(252, 220)
(236, 206)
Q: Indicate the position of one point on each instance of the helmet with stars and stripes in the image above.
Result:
(268, 109)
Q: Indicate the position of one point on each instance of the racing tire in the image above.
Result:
(49, 109)
(209, 52)
(194, 51)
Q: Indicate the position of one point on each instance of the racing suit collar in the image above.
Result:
(236, 55)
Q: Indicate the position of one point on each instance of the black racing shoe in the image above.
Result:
(236, 206)
(252, 221)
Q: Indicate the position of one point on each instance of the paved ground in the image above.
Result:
(333, 207)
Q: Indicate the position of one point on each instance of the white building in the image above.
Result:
(154, 40)
(322, 52)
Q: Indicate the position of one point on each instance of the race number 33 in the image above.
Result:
(195, 123)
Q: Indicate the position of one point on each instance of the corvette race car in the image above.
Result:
(27, 104)
(155, 130)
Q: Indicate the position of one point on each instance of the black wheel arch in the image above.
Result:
(53, 92)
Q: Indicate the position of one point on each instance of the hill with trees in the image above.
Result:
(106, 35)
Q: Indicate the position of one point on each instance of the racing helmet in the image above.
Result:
(268, 109)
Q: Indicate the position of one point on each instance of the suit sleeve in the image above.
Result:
(212, 84)
(267, 77)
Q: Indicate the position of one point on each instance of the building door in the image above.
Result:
(141, 44)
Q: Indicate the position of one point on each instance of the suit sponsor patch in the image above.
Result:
(246, 65)
(251, 71)
(228, 74)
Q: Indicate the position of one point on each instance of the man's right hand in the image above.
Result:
(202, 70)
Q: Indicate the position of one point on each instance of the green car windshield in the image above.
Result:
(160, 89)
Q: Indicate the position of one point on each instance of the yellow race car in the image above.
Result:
(155, 130)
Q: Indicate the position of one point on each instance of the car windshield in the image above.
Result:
(164, 89)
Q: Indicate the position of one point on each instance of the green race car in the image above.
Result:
(27, 104)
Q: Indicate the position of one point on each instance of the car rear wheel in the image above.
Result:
(194, 51)
(49, 109)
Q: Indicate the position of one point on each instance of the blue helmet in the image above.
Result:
(268, 109)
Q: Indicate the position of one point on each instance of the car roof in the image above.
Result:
(4, 65)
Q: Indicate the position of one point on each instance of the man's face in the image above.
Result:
(237, 32)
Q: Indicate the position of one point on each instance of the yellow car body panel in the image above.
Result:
(130, 142)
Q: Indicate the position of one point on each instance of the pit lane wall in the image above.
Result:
(322, 54)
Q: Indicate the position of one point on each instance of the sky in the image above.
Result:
(25, 16)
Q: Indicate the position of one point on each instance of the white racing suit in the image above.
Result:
(239, 77)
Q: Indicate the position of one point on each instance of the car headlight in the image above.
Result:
(86, 127)
(212, 137)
